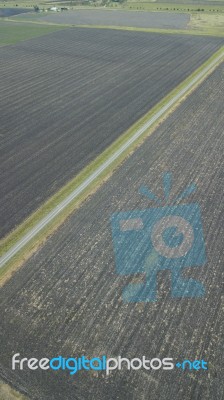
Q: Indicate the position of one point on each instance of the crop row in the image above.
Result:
(67, 96)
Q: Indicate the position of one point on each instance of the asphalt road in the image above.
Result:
(67, 96)
(67, 299)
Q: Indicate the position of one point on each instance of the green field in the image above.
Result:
(11, 32)
(207, 22)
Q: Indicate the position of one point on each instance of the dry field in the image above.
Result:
(138, 19)
(67, 96)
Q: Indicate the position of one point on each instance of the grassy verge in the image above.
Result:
(7, 393)
(170, 5)
(178, 7)
(11, 33)
(18, 233)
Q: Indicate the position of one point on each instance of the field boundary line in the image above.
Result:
(39, 227)
(33, 22)
(191, 32)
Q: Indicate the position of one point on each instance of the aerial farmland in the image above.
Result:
(72, 93)
(70, 296)
(116, 18)
(111, 206)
